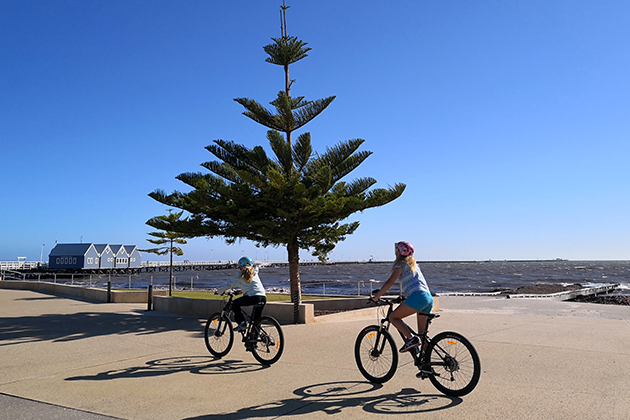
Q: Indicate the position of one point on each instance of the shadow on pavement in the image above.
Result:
(195, 364)
(70, 327)
(334, 397)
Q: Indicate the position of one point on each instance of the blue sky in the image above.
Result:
(507, 120)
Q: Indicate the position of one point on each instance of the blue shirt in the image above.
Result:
(412, 281)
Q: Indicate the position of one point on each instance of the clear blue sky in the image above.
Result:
(509, 121)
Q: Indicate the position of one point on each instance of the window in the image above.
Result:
(58, 260)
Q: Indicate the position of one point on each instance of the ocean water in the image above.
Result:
(442, 277)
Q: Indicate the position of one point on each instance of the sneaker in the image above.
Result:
(410, 343)
(241, 327)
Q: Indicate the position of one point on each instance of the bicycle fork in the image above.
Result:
(379, 342)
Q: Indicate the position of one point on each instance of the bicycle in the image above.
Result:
(262, 337)
(449, 360)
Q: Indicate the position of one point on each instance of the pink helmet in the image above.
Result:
(404, 248)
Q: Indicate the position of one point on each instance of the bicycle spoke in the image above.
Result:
(375, 354)
(268, 340)
(455, 364)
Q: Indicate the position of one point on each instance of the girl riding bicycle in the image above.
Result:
(414, 287)
(253, 291)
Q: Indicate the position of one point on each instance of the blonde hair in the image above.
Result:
(409, 261)
(247, 273)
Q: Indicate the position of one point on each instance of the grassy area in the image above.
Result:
(271, 297)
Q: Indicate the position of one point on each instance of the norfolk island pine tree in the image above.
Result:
(166, 243)
(296, 198)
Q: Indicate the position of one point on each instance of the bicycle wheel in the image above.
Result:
(269, 340)
(376, 354)
(455, 364)
(219, 335)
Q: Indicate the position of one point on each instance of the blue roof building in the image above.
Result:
(94, 256)
(106, 257)
(134, 256)
(73, 256)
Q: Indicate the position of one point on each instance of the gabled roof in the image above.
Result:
(116, 249)
(69, 249)
(130, 248)
(82, 249)
(100, 248)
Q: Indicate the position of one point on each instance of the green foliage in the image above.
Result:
(166, 239)
(286, 50)
(292, 197)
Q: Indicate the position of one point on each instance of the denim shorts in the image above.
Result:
(420, 301)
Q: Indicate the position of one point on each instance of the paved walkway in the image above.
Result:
(68, 359)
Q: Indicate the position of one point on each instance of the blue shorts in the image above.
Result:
(420, 301)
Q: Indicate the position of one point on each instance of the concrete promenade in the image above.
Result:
(62, 358)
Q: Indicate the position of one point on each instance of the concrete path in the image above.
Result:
(69, 359)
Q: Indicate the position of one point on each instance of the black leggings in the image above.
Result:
(247, 301)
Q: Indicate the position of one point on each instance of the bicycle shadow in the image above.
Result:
(335, 397)
(199, 365)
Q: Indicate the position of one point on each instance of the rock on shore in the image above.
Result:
(540, 289)
(605, 299)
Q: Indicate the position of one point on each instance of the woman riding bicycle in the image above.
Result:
(253, 291)
(414, 287)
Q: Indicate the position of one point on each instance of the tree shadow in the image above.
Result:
(199, 365)
(77, 326)
(333, 397)
(35, 298)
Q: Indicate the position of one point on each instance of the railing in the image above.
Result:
(201, 263)
(362, 285)
(186, 282)
(19, 265)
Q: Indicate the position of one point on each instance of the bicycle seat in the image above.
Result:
(431, 316)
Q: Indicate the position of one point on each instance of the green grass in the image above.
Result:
(271, 297)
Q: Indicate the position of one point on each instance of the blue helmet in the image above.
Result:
(245, 261)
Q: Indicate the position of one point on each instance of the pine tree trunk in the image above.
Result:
(170, 276)
(294, 278)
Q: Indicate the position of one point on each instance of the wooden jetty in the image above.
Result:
(42, 271)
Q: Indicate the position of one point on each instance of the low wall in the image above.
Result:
(203, 308)
(88, 293)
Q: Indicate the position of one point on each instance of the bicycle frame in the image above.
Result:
(249, 333)
(447, 359)
(418, 353)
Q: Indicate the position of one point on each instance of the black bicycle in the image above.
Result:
(449, 360)
(262, 337)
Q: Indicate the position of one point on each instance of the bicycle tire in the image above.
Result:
(455, 363)
(269, 343)
(219, 335)
(377, 365)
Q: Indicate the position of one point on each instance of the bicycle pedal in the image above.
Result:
(425, 372)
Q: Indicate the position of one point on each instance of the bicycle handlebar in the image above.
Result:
(386, 301)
